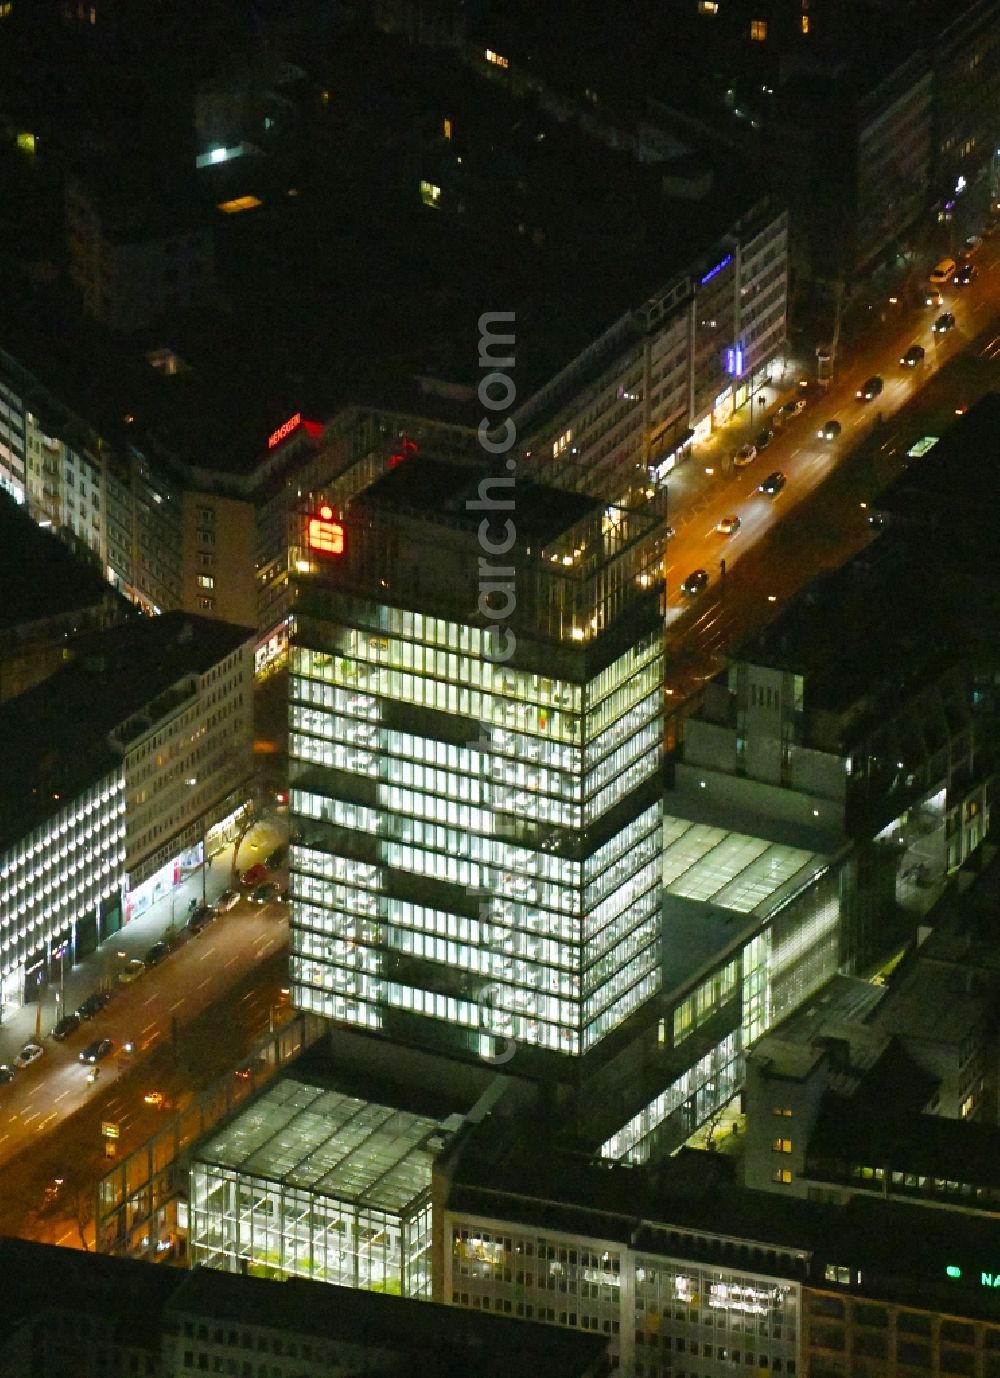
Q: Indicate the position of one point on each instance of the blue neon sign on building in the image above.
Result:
(713, 272)
(734, 361)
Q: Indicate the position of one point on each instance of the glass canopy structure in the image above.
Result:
(312, 1183)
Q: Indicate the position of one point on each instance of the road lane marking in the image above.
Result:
(204, 983)
(47, 1121)
(177, 1006)
(61, 1096)
(65, 1235)
(150, 1025)
(28, 1118)
(233, 959)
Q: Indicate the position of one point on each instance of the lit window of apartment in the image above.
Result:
(782, 1146)
(833, 1273)
(758, 30)
(447, 128)
(783, 1110)
(206, 581)
(206, 604)
(782, 1175)
(708, 6)
(805, 23)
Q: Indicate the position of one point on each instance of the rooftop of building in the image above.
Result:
(931, 1146)
(41, 578)
(354, 289)
(57, 734)
(438, 1341)
(438, 490)
(914, 602)
(730, 870)
(40, 1278)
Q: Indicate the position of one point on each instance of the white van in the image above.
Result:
(942, 272)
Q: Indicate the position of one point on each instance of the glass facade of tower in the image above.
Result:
(480, 843)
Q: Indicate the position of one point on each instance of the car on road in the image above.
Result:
(200, 919)
(930, 297)
(729, 526)
(869, 389)
(764, 439)
(746, 454)
(263, 894)
(794, 407)
(131, 971)
(228, 900)
(966, 272)
(30, 1053)
(6, 1074)
(913, 356)
(695, 583)
(66, 1026)
(254, 875)
(98, 1050)
(276, 859)
(93, 1004)
(972, 245)
(285, 895)
(670, 532)
(156, 954)
(773, 484)
(944, 322)
(829, 430)
(257, 1064)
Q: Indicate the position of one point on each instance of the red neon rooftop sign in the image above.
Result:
(284, 430)
(324, 535)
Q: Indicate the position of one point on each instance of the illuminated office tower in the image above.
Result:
(478, 853)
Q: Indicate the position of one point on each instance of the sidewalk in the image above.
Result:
(164, 919)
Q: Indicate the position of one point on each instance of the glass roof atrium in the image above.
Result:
(331, 1144)
(728, 869)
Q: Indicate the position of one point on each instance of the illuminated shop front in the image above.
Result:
(310, 1183)
(445, 878)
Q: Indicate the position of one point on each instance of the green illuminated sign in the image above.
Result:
(989, 1279)
(953, 1272)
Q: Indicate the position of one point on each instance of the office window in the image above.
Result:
(783, 1175)
(782, 1145)
(758, 30)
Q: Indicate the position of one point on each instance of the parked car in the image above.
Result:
(254, 875)
(66, 1026)
(285, 895)
(156, 954)
(30, 1053)
(729, 526)
(793, 408)
(695, 583)
(228, 900)
(264, 893)
(869, 389)
(829, 430)
(913, 356)
(97, 1051)
(257, 1064)
(670, 533)
(944, 323)
(972, 245)
(200, 919)
(131, 971)
(6, 1074)
(746, 454)
(966, 272)
(276, 859)
(773, 484)
(764, 439)
(93, 1004)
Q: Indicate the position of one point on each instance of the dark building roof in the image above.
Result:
(56, 735)
(435, 489)
(928, 1145)
(39, 575)
(127, 1295)
(437, 1341)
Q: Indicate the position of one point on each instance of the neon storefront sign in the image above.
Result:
(324, 534)
(284, 430)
